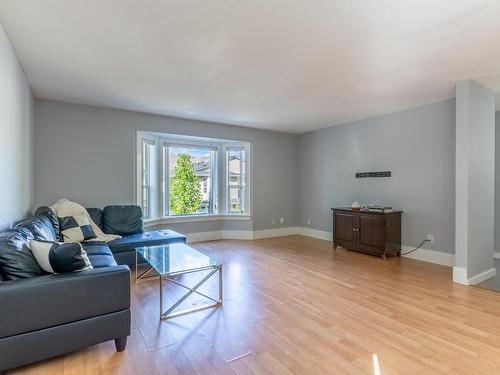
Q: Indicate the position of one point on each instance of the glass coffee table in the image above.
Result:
(173, 260)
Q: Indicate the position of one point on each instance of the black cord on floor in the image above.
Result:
(418, 247)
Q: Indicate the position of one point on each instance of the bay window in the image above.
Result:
(179, 176)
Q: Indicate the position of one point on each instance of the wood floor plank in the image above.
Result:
(294, 306)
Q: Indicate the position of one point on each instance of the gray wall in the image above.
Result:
(16, 127)
(416, 145)
(86, 154)
(497, 182)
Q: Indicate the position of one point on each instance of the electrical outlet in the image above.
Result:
(308, 221)
(282, 220)
(273, 221)
(430, 237)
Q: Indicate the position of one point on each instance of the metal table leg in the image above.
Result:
(169, 313)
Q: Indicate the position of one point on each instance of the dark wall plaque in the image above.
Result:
(373, 174)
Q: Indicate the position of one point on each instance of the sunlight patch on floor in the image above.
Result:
(376, 366)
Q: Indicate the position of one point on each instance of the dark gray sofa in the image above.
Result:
(45, 315)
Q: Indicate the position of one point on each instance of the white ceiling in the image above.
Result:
(287, 65)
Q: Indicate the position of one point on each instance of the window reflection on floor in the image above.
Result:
(376, 365)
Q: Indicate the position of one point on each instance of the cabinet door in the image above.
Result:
(371, 233)
(344, 229)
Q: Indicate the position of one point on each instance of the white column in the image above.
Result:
(474, 183)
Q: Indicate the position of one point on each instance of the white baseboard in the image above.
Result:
(204, 236)
(496, 255)
(237, 234)
(460, 276)
(315, 233)
(431, 256)
(425, 255)
(474, 280)
(278, 232)
(240, 234)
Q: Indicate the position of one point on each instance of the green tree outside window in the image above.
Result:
(185, 194)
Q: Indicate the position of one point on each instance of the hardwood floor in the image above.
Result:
(293, 306)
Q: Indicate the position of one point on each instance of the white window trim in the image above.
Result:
(221, 145)
(140, 139)
(195, 218)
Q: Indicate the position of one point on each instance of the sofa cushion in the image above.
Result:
(99, 254)
(60, 257)
(122, 220)
(54, 220)
(40, 226)
(159, 237)
(76, 228)
(16, 259)
(96, 216)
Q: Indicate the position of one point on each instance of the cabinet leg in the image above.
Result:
(334, 246)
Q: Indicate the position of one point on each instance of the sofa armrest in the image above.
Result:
(51, 300)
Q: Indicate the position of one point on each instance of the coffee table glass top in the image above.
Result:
(176, 258)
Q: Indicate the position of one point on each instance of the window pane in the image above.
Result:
(190, 180)
(236, 167)
(236, 164)
(235, 199)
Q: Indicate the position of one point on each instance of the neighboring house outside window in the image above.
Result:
(204, 185)
(191, 176)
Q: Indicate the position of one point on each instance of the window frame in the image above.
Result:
(142, 140)
(219, 186)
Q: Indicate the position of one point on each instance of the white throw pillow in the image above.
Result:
(60, 257)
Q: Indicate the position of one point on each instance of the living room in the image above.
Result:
(248, 188)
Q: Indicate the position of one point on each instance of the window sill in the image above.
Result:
(195, 218)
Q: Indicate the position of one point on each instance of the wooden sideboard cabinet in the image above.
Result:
(371, 233)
